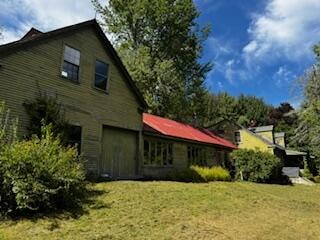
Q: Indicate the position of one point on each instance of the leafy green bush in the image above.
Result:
(46, 110)
(39, 175)
(185, 175)
(8, 126)
(212, 174)
(316, 179)
(256, 166)
(199, 174)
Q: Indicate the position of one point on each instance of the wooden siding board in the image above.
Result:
(27, 72)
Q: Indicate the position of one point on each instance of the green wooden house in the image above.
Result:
(78, 66)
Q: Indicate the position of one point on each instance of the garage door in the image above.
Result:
(119, 152)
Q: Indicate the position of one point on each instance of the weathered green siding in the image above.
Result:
(37, 68)
(214, 156)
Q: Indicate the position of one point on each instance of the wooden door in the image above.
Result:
(119, 153)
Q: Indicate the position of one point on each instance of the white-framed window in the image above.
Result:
(197, 156)
(158, 153)
(237, 137)
(101, 75)
(71, 64)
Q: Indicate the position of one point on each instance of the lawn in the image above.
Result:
(169, 210)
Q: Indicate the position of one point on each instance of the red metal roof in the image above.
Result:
(176, 129)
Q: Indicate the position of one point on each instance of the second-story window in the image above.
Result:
(101, 75)
(71, 64)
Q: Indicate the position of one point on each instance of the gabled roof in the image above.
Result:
(28, 41)
(292, 152)
(171, 128)
(264, 139)
(31, 33)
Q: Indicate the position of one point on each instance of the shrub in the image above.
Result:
(316, 179)
(46, 110)
(212, 174)
(8, 126)
(257, 166)
(39, 175)
(185, 175)
(199, 174)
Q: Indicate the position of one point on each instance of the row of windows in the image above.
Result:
(197, 156)
(71, 68)
(157, 153)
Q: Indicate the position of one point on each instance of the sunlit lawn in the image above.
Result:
(169, 210)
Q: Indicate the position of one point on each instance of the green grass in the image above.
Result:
(170, 210)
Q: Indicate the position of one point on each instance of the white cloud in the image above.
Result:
(287, 28)
(283, 76)
(17, 16)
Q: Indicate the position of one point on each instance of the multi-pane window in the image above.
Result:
(101, 75)
(74, 137)
(157, 153)
(71, 64)
(237, 137)
(197, 156)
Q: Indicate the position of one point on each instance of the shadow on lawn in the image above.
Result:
(89, 201)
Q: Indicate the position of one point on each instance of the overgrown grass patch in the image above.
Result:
(172, 210)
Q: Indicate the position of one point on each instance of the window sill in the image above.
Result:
(101, 90)
(68, 79)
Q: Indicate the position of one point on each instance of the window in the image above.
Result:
(74, 137)
(219, 157)
(71, 64)
(237, 137)
(197, 156)
(101, 75)
(157, 153)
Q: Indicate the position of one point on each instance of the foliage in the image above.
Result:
(212, 174)
(285, 119)
(185, 175)
(8, 126)
(256, 166)
(199, 174)
(316, 179)
(219, 107)
(163, 61)
(244, 109)
(46, 110)
(39, 175)
(253, 109)
(307, 134)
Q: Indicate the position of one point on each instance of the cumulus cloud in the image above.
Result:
(287, 28)
(17, 16)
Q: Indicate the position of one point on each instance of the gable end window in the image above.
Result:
(71, 64)
(101, 75)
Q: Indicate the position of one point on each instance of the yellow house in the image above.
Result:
(262, 138)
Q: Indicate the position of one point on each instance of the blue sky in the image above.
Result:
(258, 47)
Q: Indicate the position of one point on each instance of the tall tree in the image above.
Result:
(285, 119)
(251, 108)
(308, 130)
(160, 43)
